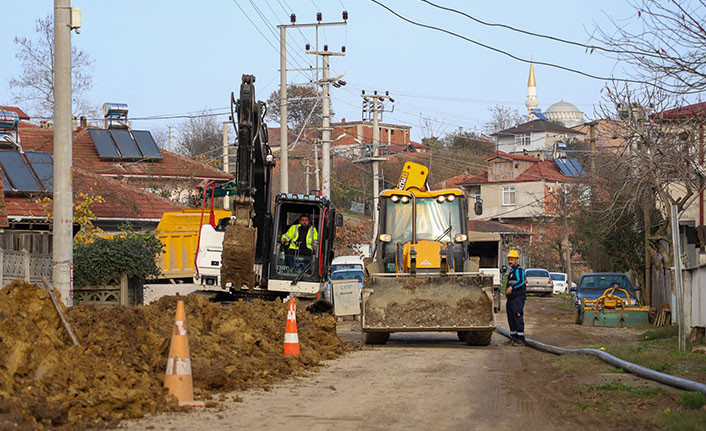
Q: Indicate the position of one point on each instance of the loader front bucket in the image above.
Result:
(454, 302)
(629, 317)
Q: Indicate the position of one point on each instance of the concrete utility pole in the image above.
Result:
(307, 172)
(325, 82)
(375, 159)
(678, 286)
(284, 152)
(226, 166)
(62, 269)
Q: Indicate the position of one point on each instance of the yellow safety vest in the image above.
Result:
(293, 233)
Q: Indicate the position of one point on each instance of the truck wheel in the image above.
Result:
(579, 316)
(479, 338)
(375, 337)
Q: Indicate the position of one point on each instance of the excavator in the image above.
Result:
(244, 254)
(422, 276)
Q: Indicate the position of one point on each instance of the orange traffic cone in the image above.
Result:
(178, 377)
(291, 339)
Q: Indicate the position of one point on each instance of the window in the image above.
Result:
(509, 195)
(474, 192)
(522, 140)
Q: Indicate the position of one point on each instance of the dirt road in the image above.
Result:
(417, 381)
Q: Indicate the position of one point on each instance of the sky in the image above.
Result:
(173, 57)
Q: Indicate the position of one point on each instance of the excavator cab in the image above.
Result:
(299, 264)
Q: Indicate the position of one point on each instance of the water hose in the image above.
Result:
(647, 373)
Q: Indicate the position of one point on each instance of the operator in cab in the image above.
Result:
(516, 294)
(299, 239)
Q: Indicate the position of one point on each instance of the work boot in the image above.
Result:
(510, 341)
(518, 342)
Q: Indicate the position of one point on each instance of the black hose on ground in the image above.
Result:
(647, 373)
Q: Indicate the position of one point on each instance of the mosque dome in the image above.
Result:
(565, 112)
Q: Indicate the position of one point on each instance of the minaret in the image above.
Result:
(531, 102)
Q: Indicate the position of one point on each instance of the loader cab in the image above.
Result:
(410, 216)
(294, 259)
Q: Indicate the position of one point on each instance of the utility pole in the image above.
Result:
(375, 110)
(307, 173)
(169, 128)
(226, 166)
(678, 286)
(62, 258)
(565, 216)
(316, 165)
(325, 83)
(284, 152)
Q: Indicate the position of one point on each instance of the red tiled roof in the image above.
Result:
(511, 157)
(452, 182)
(122, 201)
(20, 113)
(85, 157)
(694, 110)
(543, 170)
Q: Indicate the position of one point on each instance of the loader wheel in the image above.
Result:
(375, 337)
(479, 338)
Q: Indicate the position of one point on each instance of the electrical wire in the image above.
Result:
(543, 36)
(524, 60)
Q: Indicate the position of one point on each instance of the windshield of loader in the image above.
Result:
(436, 220)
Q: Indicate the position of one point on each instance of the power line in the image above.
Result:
(543, 36)
(514, 57)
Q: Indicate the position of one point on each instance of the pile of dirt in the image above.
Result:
(118, 370)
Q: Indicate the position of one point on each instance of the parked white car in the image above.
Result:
(559, 281)
(347, 262)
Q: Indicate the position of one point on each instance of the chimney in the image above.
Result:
(343, 120)
(74, 123)
(84, 123)
(43, 124)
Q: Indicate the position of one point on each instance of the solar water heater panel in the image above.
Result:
(104, 144)
(126, 145)
(18, 172)
(147, 144)
(43, 166)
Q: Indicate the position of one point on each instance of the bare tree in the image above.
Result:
(303, 106)
(201, 138)
(503, 117)
(658, 164)
(34, 88)
(665, 41)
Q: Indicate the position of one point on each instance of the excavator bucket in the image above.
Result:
(428, 303)
(238, 257)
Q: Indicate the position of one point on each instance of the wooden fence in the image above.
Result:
(694, 280)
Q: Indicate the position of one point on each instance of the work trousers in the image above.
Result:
(515, 308)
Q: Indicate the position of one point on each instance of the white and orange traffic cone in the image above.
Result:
(178, 377)
(291, 338)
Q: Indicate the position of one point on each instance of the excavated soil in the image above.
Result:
(238, 258)
(118, 370)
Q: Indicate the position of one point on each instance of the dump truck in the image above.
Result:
(422, 276)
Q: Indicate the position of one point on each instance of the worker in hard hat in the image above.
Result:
(516, 294)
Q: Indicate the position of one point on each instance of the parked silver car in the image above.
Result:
(539, 281)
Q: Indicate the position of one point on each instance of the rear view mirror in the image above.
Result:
(339, 220)
(503, 269)
(478, 206)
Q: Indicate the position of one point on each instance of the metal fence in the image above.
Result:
(694, 280)
(23, 265)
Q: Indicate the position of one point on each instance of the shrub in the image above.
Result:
(103, 260)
